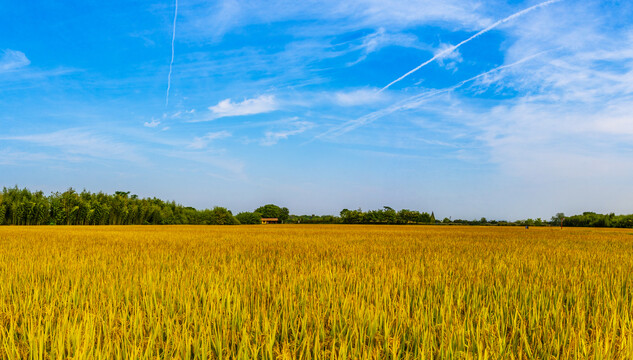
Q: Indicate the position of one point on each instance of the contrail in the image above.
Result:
(453, 48)
(171, 64)
(413, 101)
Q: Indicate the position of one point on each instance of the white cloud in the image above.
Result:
(359, 97)
(202, 142)
(571, 118)
(318, 31)
(10, 157)
(12, 60)
(154, 123)
(449, 49)
(295, 127)
(545, 140)
(415, 12)
(218, 18)
(83, 143)
(381, 39)
(259, 105)
(415, 101)
(448, 58)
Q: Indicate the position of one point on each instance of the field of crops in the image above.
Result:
(315, 292)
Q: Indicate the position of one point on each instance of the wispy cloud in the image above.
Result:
(450, 49)
(152, 124)
(381, 39)
(313, 45)
(359, 97)
(11, 157)
(11, 60)
(450, 59)
(294, 127)
(83, 143)
(218, 18)
(413, 101)
(259, 105)
(406, 13)
(202, 142)
(171, 63)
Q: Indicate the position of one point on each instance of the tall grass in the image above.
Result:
(315, 292)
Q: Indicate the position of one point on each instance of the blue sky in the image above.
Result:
(286, 102)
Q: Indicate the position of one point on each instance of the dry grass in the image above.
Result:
(357, 292)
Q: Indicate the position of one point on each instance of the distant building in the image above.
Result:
(270, 221)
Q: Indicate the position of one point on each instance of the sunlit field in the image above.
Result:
(315, 292)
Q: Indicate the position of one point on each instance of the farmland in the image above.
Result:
(315, 292)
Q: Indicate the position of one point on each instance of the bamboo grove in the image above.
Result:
(23, 207)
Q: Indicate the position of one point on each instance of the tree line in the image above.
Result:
(592, 219)
(386, 215)
(24, 207)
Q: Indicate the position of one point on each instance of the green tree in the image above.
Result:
(274, 211)
(351, 216)
(558, 218)
(219, 216)
(249, 217)
(406, 216)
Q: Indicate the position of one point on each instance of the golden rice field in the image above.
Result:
(315, 292)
